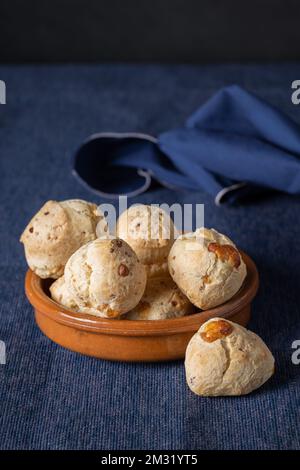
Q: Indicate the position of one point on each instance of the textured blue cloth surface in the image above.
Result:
(231, 143)
(51, 398)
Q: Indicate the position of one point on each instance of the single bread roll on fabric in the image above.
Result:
(162, 300)
(105, 278)
(150, 233)
(207, 267)
(60, 293)
(224, 358)
(57, 231)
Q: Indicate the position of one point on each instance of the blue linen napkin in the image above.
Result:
(234, 144)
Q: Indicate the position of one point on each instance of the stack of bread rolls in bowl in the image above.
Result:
(143, 292)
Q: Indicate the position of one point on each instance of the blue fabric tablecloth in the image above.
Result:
(51, 398)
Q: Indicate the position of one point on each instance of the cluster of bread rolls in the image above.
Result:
(145, 272)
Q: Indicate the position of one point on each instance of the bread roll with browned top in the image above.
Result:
(162, 300)
(207, 267)
(105, 278)
(224, 358)
(150, 232)
(57, 231)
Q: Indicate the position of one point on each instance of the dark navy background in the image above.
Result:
(189, 31)
(51, 398)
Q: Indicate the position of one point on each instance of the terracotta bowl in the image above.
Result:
(128, 340)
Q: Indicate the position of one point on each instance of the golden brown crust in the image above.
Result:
(226, 253)
(216, 330)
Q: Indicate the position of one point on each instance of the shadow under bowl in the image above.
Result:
(128, 340)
